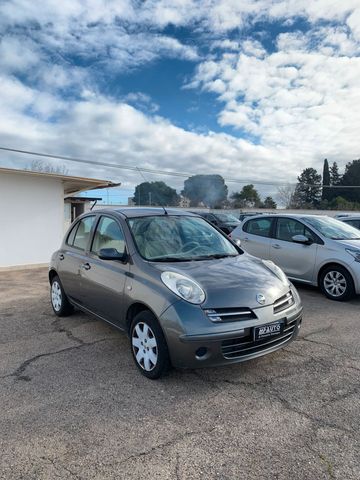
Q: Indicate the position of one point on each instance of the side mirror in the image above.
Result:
(301, 239)
(111, 254)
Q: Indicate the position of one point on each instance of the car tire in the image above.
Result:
(148, 346)
(59, 301)
(336, 283)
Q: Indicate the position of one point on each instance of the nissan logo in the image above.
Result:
(260, 298)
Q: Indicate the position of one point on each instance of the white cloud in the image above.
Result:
(299, 102)
(98, 128)
(302, 98)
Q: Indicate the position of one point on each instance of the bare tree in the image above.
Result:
(285, 195)
(41, 166)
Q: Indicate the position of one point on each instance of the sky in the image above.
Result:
(254, 90)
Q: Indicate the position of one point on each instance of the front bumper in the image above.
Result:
(228, 343)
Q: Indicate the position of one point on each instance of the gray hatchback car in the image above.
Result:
(185, 294)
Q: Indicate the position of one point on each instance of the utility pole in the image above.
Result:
(139, 196)
(149, 198)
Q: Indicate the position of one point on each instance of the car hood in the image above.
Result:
(232, 281)
(348, 243)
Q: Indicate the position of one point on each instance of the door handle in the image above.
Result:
(276, 245)
(61, 256)
(86, 266)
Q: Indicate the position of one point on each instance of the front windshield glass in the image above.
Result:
(332, 228)
(226, 218)
(178, 238)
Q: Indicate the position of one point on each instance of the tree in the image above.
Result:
(285, 195)
(248, 197)
(210, 190)
(335, 180)
(308, 190)
(326, 181)
(335, 177)
(351, 177)
(46, 167)
(155, 193)
(269, 202)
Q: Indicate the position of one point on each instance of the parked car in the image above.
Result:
(244, 215)
(353, 220)
(184, 293)
(225, 221)
(313, 249)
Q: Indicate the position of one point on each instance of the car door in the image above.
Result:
(103, 281)
(255, 237)
(73, 256)
(296, 259)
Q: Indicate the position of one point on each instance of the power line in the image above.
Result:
(160, 172)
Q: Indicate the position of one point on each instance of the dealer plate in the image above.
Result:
(269, 330)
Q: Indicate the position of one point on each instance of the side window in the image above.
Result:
(288, 227)
(353, 223)
(83, 232)
(71, 236)
(108, 234)
(259, 226)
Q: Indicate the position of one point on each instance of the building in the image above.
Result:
(35, 210)
(184, 202)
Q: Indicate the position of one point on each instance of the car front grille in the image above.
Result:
(243, 346)
(230, 314)
(284, 302)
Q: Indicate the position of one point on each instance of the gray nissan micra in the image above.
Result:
(185, 294)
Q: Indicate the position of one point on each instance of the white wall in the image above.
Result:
(31, 219)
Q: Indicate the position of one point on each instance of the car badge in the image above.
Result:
(260, 298)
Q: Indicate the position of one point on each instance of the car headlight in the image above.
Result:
(354, 253)
(184, 287)
(276, 270)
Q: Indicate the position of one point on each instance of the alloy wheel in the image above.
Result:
(335, 283)
(144, 346)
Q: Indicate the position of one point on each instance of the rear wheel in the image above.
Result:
(59, 301)
(148, 346)
(336, 283)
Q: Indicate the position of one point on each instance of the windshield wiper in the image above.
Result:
(214, 256)
(170, 259)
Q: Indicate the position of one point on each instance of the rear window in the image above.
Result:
(258, 226)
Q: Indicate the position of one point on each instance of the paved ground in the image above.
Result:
(73, 406)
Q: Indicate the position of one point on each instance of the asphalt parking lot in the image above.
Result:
(73, 405)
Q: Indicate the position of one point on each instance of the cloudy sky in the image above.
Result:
(250, 89)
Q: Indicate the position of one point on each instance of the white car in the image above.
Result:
(312, 249)
(353, 220)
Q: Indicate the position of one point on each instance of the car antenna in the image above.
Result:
(158, 198)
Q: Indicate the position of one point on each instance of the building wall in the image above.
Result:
(31, 219)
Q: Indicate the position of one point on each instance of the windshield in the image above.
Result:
(178, 238)
(332, 228)
(226, 217)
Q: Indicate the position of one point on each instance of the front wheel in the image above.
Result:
(59, 301)
(336, 283)
(148, 346)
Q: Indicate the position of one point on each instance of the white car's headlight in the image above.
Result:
(354, 253)
(276, 270)
(184, 287)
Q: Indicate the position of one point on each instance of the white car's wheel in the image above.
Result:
(336, 283)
